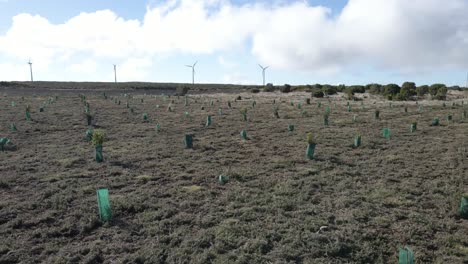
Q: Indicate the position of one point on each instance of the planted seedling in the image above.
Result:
(145, 117)
(386, 133)
(98, 140)
(414, 127)
(208, 121)
(243, 134)
(376, 114)
(89, 134)
(28, 112)
(291, 128)
(325, 119)
(276, 111)
(435, 121)
(357, 141)
(464, 206)
(311, 143)
(244, 114)
(3, 143)
(406, 256)
(105, 213)
(188, 141)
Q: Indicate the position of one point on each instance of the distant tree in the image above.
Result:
(329, 89)
(269, 88)
(391, 90)
(433, 89)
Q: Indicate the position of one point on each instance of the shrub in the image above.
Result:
(269, 88)
(255, 90)
(285, 88)
(391, 89)
(98, 137)
(422, 90)
(317, 93)
(329, 89)
(182, 90)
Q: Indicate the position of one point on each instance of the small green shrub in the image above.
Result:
(99, 137)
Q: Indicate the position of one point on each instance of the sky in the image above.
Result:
(302, 42)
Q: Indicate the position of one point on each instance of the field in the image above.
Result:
(348, 205)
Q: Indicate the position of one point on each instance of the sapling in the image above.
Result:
(208, 121)
(449, 117)
(188, 141)
(464, 206)
(89, 134)
(276, 111)
(357, 141)
(405, 256)
(89, 118)
(28, 112)
(386, 133)
(244, 114)
(311, 143)
(376, 114)
(326, 119)
(97, 140)
(243, 134)
(414, 126)
(3, 143)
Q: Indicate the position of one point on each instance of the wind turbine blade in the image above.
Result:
(190, 66)
(261, 66)
(195, 63)
(267, 67)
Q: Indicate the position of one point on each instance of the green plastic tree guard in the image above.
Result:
(220, 111)
(299, 106)
(145, 117)
(28, 116)
(89, 134)
(406, 256)
(355, 119)
(13, 104)
(435, 121)
(158, 127)
(308, 101)
(229, 104)
(376, 114)
(349, 108)
(98, 153)
(13, 127)
(41, 109)
(449, 118)
(464, 206)
(105, 213)
(223, 179)
(3, 143)
(290, 128)
(243, 134)
(188, 140)
(357, 141)
(325, 119)
(386, 133)
(208, 121)
(319, 104)
(413, 127)
(310, 151)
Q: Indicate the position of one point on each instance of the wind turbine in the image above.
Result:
(263, 72)
(30, 69)
(115, 73)
(193, 71)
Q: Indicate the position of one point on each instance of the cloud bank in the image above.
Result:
(396, 35)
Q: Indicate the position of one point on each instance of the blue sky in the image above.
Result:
(303, 42)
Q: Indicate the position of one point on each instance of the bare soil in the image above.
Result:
(349, 205)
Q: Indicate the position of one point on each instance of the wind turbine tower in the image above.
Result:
(30, 69)
(263, 72)
(115, 73)
(193, 71)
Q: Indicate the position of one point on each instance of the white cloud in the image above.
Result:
(402, 35)
(87, 66)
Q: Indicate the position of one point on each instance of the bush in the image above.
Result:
(255, 90)
(285, 88)
(269, 88)
(317, 93)
(391, 90)
(375, 88)
(441, 93)
(329, 89)
(422, 90)
(182, 90)
(433, 89)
